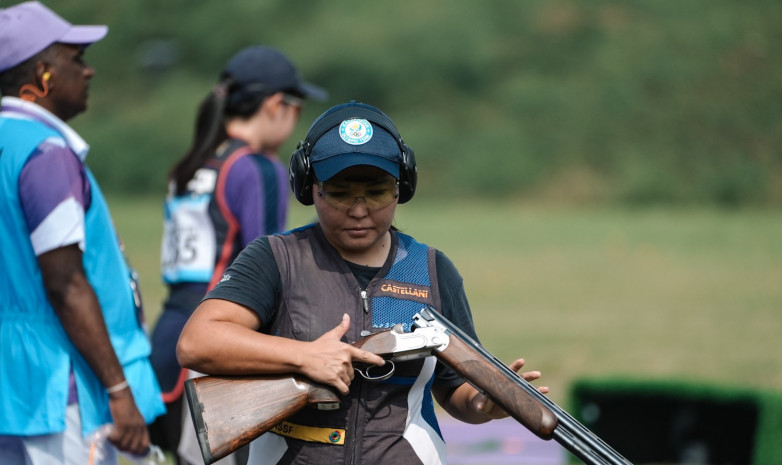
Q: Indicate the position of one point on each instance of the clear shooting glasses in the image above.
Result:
(342, 195)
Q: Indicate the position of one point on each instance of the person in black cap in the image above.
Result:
(225, 191)
(289, 301)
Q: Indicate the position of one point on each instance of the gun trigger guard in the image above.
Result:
(369, 376)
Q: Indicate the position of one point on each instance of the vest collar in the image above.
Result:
(320, 237)
(13, 107)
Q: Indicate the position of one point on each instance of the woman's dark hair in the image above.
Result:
(227, 99)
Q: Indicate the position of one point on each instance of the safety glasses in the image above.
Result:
(376, 194)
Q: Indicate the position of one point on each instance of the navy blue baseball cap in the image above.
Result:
(268, 70)
(355, 141)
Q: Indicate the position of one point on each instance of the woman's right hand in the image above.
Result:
(328, 360)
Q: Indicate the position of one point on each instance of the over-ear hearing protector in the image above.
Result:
(300, 170)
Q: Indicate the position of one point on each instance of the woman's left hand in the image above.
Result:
(483, 404)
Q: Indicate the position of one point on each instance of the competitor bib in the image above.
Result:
(188, 250)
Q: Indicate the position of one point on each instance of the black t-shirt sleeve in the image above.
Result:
(456, 309)
(252, 280)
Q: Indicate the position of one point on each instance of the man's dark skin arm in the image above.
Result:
(77, 307)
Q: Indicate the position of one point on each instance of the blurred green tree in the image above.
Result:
(590, 102)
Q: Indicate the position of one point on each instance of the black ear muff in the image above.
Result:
(300, 170)
(408, 174)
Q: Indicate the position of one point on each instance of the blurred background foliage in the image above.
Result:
(601, 102)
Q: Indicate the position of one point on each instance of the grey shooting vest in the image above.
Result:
(389, 422)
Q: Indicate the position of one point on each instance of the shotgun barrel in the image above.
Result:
(460, 354)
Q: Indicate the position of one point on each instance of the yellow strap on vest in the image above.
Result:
(334, 436)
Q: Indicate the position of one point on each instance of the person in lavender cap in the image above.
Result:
(74, 354)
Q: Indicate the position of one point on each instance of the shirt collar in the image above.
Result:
(17, 108)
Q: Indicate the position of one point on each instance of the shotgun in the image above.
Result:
(230, 411)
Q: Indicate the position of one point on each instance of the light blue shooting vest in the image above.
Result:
(35, 353)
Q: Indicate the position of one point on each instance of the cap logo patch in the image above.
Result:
(355, 131)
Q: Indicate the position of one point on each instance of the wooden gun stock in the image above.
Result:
(502, 390)
(230, 411)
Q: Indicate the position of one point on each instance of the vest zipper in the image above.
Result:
(354, 442)
(354, 425)
(365, 301)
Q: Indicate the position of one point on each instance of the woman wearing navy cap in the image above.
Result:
(225, 191)
(289, 301)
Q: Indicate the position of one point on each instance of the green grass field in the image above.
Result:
(654, 294)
